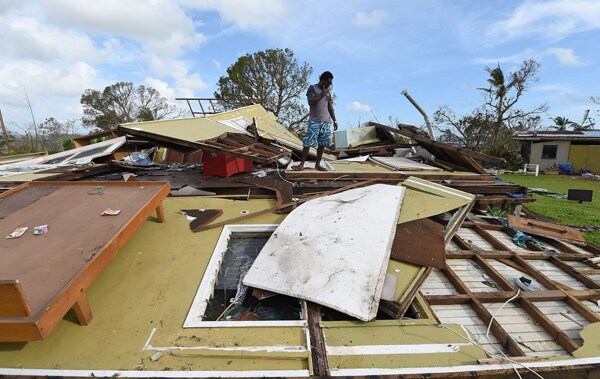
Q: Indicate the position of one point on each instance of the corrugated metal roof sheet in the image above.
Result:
(555, 134)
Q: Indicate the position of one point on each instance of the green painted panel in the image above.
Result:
(193, 129)
(591, 341)
(406, 274)
(423, 199)
(401, 335)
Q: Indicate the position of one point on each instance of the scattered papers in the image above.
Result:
(18, 232)
(42, 229)
(110, 212)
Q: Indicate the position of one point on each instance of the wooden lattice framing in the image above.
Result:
(529, 301)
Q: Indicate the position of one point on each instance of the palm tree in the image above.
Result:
(496, 93)
(562, 124)
(586, 124)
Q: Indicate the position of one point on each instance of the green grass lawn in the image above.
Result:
(562, 210)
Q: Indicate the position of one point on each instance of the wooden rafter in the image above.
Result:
(525, 299)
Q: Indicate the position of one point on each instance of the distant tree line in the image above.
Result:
(52, 136)
(489, 128)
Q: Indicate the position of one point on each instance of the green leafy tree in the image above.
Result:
(272, 78)
(122, 102)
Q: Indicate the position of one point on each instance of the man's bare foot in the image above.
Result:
(299, 167)
(320, 168)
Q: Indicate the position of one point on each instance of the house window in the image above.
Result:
(222, 300)
(549, 151)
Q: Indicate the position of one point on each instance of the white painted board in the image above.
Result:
(404, 164)
(333, 250)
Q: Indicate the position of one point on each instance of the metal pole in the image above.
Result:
(416, 105)
(4, 132)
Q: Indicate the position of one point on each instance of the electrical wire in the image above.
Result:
(502, 355)
(279, 173)
(339, 177)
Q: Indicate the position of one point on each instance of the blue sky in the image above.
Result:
(437, 50)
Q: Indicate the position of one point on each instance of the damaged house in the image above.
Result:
(189, 248)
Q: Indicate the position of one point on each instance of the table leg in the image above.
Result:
(160, 213)
(82, 310)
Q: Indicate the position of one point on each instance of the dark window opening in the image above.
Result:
(549, 151)
(232, 301)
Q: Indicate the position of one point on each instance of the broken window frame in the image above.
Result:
(206, 287)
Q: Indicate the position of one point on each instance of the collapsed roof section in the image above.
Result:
(266, 126)
(250, 133)
(442, 151)
(50, 165)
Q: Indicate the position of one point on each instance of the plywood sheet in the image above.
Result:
(420, 242)
(545, 229)
(23, 198)
(333, 250)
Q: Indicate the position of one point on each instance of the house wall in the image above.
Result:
(562, 153)
(355, 137)
(585, 156)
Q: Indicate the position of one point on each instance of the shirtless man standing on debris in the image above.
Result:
(318, 133)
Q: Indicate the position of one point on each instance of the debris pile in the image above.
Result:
(399, 226)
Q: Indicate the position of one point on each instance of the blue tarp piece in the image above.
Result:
(515, 195)
(521, 238)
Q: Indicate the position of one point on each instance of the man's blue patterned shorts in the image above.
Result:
(318, 134)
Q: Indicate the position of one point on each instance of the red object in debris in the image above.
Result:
(217, 164)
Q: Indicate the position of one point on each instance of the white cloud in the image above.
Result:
(26, 38)
(357, 107)
(514, 58)
(52, 46)
(246, 14)
(370, 20)
(44, 81)
(185, 82)
(152, 22)
(217, 64)
(566, 57)
(163, 87)
(554, 20)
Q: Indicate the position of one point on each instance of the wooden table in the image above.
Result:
(43, 276)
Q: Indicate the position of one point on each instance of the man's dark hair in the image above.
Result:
(326, 75)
